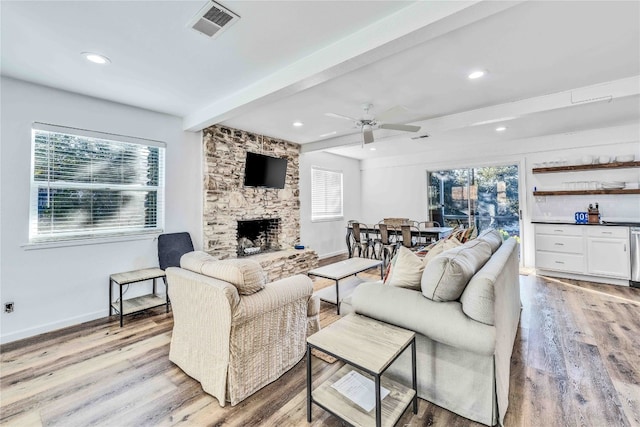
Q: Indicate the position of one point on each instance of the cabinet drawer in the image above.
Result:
(564, 244)
(563, 230)
(560, 262)
(616, 232)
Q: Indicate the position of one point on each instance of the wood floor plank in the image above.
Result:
(575, 362)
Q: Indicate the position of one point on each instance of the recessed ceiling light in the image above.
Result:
(298, 124)
(372, 148)
(476, 74)
(96, 58)
(501, 129)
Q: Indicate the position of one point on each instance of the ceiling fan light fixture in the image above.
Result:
(96, 58)
(476, 74)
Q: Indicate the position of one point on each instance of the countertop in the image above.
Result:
(606, 223)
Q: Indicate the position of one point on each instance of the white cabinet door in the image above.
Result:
(608, 257)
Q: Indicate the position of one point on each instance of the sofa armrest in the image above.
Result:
(273, 295)
(443, 322)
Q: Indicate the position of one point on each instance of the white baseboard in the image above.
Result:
(329, 255)
(595, 279)
(48, 327)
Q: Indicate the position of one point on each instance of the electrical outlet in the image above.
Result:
(8, 307)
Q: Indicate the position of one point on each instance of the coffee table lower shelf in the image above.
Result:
(393, 406)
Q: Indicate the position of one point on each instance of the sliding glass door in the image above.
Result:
(486, 197)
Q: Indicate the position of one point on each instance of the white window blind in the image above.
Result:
(326, 194)
(88, 184)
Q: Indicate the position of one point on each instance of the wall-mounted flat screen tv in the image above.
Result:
(264, 171)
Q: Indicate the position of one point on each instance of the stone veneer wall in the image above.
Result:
(226, 200)
(281, 264)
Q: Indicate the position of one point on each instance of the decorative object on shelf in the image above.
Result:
(594, 214)
(625, 158)
(581, 217)
(613, 188)
(604, 159)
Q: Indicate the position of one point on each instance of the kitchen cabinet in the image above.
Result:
(608, 251)
(592, 250)
(560, 248)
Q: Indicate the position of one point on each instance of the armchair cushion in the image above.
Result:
(245, 274)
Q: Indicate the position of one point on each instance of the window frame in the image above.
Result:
(326, 218)
(90, 235)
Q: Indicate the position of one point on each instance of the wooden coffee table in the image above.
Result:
(369, 347)
(339, 271)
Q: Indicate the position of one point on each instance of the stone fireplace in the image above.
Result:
(227, 201)
(257, 236)
(230, 209)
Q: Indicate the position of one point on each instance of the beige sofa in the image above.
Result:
(464, 344)
(233, 332)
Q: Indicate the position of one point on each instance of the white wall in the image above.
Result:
(327, 238)
(57, 287)
(396, 187)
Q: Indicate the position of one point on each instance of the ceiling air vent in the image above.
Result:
(213, 19)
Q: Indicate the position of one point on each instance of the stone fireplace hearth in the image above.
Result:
(257, 236)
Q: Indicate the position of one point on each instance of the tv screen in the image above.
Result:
(264, 171)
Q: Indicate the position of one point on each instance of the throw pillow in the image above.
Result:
(446, 276)
(245, 274)
(440, 246)
(405, 270)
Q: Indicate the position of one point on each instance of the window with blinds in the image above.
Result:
(87, 184)
(326, 194)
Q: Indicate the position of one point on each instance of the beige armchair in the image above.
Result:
(233, 332)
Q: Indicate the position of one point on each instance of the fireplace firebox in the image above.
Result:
(257, 236)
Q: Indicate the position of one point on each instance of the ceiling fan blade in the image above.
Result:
(397, 126)
(367, 135)
(340, 116)
(392, 113)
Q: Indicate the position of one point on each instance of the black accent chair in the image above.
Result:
(171, 247)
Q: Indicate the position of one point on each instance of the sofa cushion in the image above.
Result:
(478, 298)
(245, 274)
(445, 277)
(405, 270)
(439, 247)
(492, 237)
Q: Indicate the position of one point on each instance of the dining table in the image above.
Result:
(435, 233)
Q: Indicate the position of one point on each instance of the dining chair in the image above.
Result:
(427, 238)
(410, 236)
(386, 242)
(362, 243)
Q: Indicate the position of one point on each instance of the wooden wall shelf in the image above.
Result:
(583, 192)
(573, 168)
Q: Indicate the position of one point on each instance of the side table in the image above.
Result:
(141, 303)
(370, 347)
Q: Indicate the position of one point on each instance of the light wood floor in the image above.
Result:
(576, 362)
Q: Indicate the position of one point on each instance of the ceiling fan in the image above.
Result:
(367, 123)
